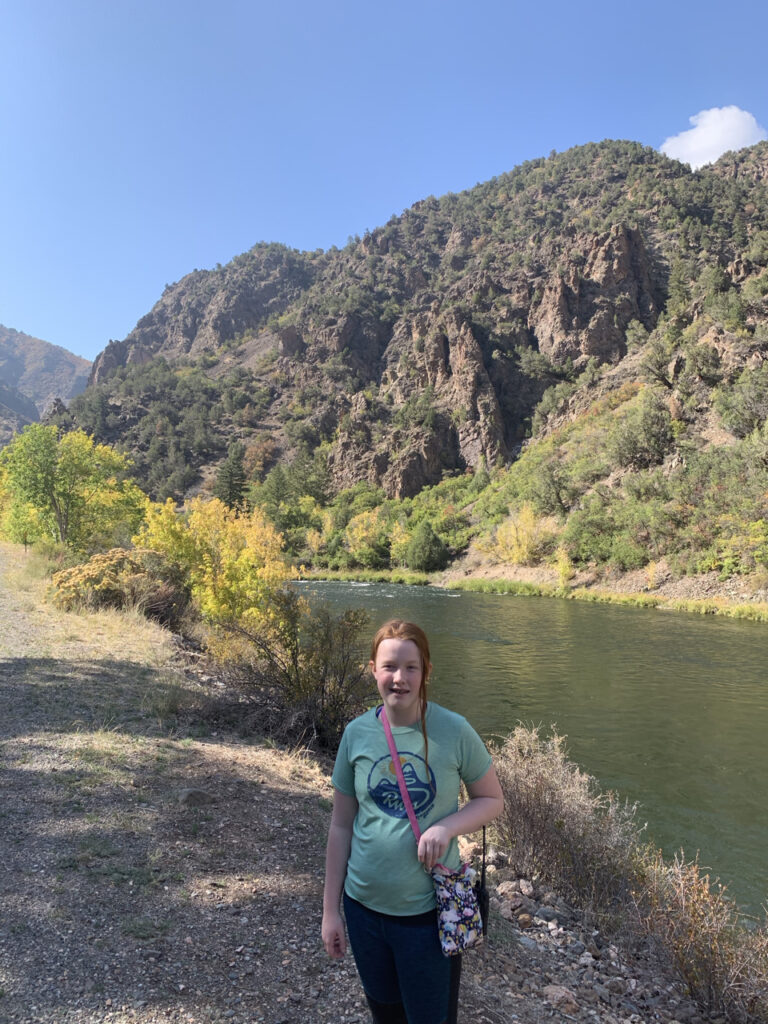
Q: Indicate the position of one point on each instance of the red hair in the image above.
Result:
(399, 629)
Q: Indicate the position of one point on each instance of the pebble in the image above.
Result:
(588, 978)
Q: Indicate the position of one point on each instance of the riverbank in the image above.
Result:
(652, 587)
(159, 866)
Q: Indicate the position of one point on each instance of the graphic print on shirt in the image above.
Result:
(419, 780)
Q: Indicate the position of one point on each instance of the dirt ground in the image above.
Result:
(154, 870)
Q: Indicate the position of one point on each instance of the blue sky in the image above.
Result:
(140, 139)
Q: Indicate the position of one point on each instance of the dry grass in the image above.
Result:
(723, 963)
(559, 827)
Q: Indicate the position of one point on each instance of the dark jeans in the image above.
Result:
(401, 965)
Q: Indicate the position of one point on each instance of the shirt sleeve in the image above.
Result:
(474, 757)
(343, 777)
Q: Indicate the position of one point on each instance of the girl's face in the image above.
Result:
(399, 677)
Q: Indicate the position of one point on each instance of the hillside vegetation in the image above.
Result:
(563, 365)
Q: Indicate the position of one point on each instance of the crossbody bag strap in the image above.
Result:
(482, 876)
(401, 781)
(400, 777)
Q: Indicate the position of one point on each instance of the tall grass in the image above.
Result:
(754, 611)
(517, 587)
(558, 826)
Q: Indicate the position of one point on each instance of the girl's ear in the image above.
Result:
(371, 666)
(428, 672)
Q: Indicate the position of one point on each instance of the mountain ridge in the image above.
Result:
(33, 374)
(425, 346)
(39, 369)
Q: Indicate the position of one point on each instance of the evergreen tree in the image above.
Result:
(230, 480)
(426, 552)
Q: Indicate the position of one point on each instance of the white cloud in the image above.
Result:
(714, 132)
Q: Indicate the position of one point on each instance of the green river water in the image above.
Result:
(667, 709)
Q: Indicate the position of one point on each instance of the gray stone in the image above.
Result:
(547, 914)
(195, 798)
(603, 993)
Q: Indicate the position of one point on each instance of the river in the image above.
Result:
(665, 708)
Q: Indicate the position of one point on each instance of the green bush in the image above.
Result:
(643, 435)
(426, 552)
(588, 534)
(308, 674)
(627, 554)
(744, 406)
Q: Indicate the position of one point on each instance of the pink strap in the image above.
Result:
(406, 796)
(400, 777)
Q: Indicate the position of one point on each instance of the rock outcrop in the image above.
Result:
(585, 311)
(209, 308)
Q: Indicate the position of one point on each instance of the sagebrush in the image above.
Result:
(558, 827)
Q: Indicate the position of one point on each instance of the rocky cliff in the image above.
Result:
(16, 411)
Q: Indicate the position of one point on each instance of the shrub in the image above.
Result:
(523, 538)
(643, 436)
(744, 407)
(724, 965)
(426, 552)
(564, 566)
(756, 288)
(589, 532)
(558, 826)
(124, 579)
(307, 677)
(552, 401)
(588, 846)
(627, 554)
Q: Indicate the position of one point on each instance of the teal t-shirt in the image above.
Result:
(383, 871)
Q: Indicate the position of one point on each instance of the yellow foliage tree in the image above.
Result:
(364, 537)
(399, 538)
(523, 537)
(233, 562)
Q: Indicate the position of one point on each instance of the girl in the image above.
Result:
(372, 853)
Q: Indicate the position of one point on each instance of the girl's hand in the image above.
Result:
(334, 936)
(433, 845)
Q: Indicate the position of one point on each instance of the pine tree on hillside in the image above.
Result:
(230, 480)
